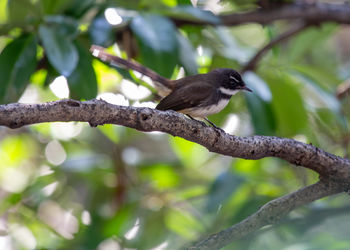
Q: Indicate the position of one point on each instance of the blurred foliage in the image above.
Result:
(69, 186)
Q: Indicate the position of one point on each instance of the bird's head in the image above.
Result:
(230, 79)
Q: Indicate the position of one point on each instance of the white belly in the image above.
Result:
(204, 112)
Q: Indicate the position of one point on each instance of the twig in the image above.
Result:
(310, 13)
(100, 53)
(98, 112)
(251, 65)
(270, 213)
(343, 90)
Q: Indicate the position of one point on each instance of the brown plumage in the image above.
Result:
(204, 94)
(198, 95)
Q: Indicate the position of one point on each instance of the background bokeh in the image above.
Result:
(70, 186)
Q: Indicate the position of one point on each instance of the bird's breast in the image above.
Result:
(204, 111)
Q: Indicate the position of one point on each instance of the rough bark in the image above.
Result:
(98, 112)
(333, 170)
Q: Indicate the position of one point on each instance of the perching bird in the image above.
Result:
(196, 96)
(204, 94)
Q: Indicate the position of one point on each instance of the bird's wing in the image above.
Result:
(187, 96)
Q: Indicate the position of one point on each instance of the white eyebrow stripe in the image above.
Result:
(234, 78)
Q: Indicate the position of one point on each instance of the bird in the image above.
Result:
(199, 96)
(196, 96)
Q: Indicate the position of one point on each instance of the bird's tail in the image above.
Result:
(162, 84)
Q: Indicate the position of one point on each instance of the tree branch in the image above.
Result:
(270, 213)
(343, 90)
(334, 170)
(99, 52)
(98, 112)
(251, 65)
(310, 13)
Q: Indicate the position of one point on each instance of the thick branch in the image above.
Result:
(251, 65)
(98, 112)
(335, 170)
(309, 13)
(270, 213)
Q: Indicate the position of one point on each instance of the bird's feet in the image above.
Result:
(213, 125)
(207, 120)
(201, 122)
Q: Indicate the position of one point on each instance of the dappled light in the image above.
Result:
(112, 16)
(62, 221)
(55, 153)
(59, 87)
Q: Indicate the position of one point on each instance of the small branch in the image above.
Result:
(251, 65)
(343, 90)
(315, 216)
(100, 53)
(310, 13)
(270, 213)
(98, 112)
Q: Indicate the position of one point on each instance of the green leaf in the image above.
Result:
(259, 104)
(325, 78)
(221, 189)
(189, 153)
(219, 61)
(308, 40)
(249, 206)
(82, 82)
(262, 114)
(335, 124)
(63, 25)
(149, 235)
(51, 74)
(3, 11)
(183, 223)
(22, 10)
(324, 97)
(183, 2)
(121, 222)
(158, 43)
(17, 63)
(259, 87)
(111, 132)
(77, 8)
(101, 32)
(319, 97)
(229, 47)
(187, 55)
(161, 176)
(53, 6)
(287, 104)
(60, 51)
(169, 3)
(272, 33)
(10, 201)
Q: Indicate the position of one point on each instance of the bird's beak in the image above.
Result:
(246, 88)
